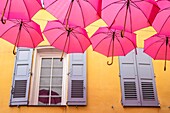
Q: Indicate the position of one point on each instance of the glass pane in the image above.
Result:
(56, 91)
(45, 81)
(57, 71)
(46, 62)
(44, 91)
(45, 71)
(43, 100)
(55, 100)
(56, 81)
(57, 63)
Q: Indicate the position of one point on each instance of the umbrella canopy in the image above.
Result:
(73, 39)
(158, 47)
(163, 3)
(131, 14)
(110, 43)
(77, 12)
(19, 9)
(21, 33)
(162, 21)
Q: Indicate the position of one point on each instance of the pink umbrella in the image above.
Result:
(158, 47)
(162, 21)
(110, 43)
(131, 14)
(73, 39)
(19, 9)
(163, 3)
(21, 33)
(77, 12)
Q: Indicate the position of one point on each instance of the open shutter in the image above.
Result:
(129, 80)
(21, 77)
(146, 79)
(77, 79)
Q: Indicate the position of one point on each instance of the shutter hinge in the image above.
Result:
(68, 73)
(119, 75)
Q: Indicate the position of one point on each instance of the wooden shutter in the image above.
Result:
(77, 80)
(146, 79)
(21, 77)
(129, 80)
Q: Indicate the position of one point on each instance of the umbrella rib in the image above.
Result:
(121, 46)
(51, 3)
(130, 41)
(27, 10)
(54, 29)
(158, 50)
(140, 10)
(77, 40)
(113, 3)
(109, 47)
(100, 33)
(82, 13)
(30, 36)
(92, 7)
(58, 37)
(152, 44)
(164, 23)
(101, 41)
(117, 14)
(8, 29)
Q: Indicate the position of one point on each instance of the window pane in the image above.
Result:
(44, 91)
(46, 62)
(45, 81)
(56, 81)
(43, 100)
(46, 71)
(57, 71)
(55, 100)
(57, 63)
(56, 91)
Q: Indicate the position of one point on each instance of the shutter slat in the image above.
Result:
(77, 80)
(20, 86)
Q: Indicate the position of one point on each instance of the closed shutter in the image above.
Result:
(146, 79)
(21, 77)
(77, 80)
(129, 80)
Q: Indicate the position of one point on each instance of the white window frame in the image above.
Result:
(42, 52)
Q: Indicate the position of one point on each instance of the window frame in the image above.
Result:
(42, 52)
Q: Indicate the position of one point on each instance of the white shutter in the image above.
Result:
(129, 80)
(77, 80)
(21, 77)
(146, 79)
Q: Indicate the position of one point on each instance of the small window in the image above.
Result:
(50, 78)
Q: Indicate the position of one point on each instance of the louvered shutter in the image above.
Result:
(21, 77)
(77, 80)
(146, 79)
(129, 80)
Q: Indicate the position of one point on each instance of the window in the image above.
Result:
(50, 81)
(137, 80)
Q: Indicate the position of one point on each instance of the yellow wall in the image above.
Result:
(103, 92)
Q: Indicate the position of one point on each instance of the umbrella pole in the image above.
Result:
(123, 31)
(113, 36)
(3, 13)
(68, 34)
(17, 40)
(68, 13)
(166, 53)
